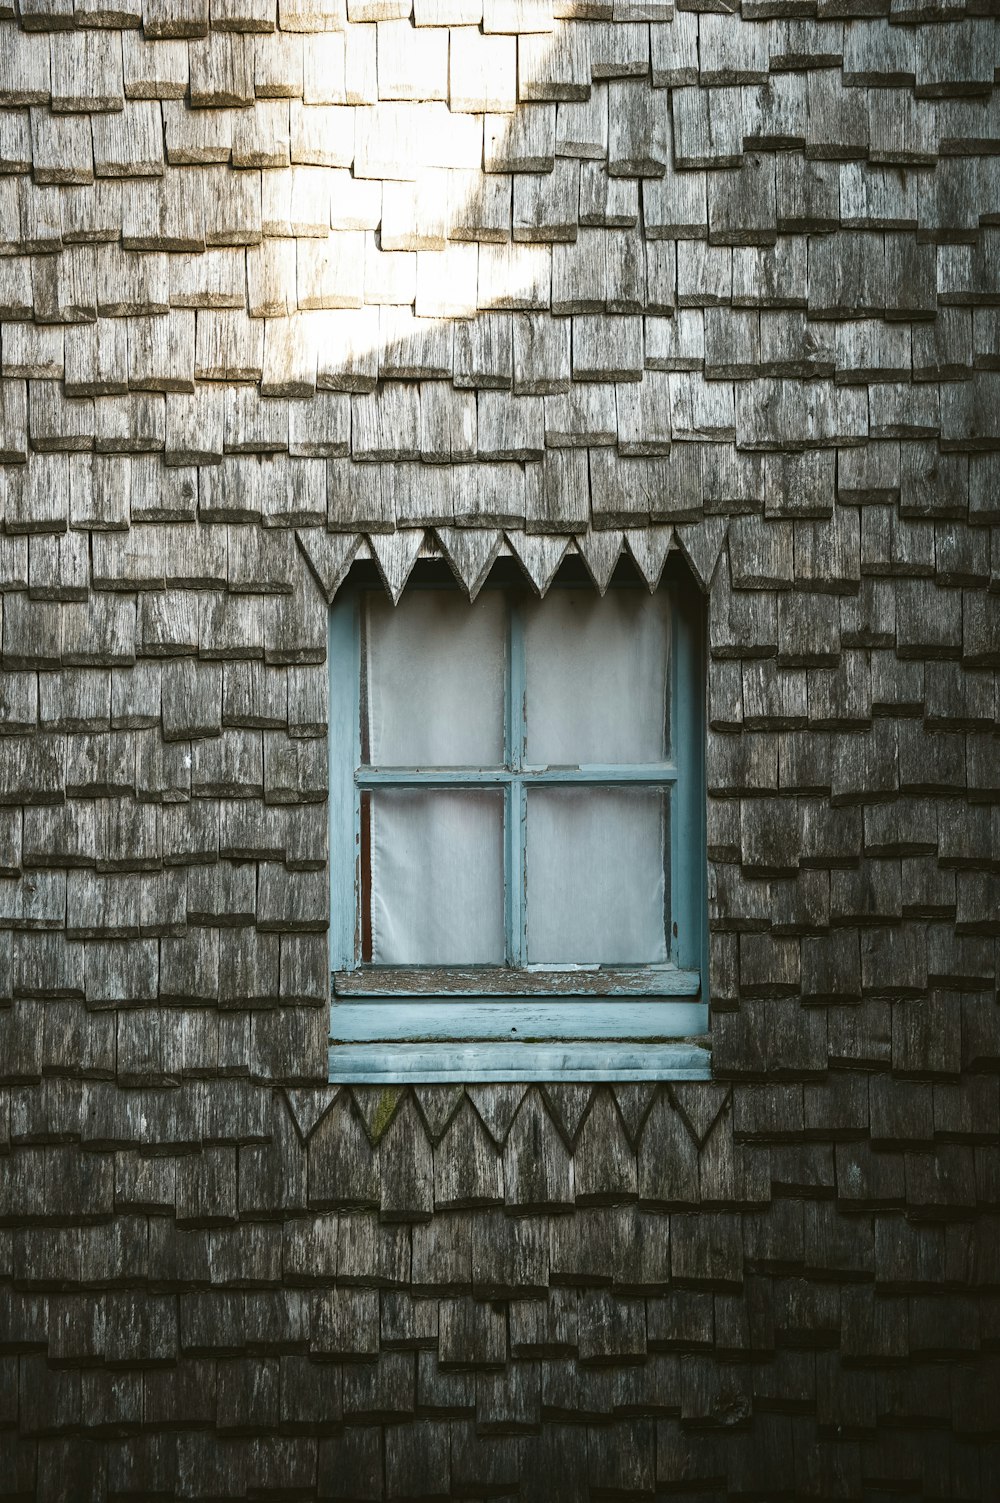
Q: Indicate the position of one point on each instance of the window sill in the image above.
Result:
(426, 1063)
(393, 1025)
(574, 982)
(412, 1035)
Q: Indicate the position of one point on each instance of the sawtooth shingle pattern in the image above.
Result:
(483, 278)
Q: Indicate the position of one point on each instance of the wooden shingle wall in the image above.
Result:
(283, 288)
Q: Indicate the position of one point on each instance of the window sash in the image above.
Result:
(642, 1021)
(514, 777)
(515, 786)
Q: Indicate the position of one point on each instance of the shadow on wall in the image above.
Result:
(647, 268)
(418, 185)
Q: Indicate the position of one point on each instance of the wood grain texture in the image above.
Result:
(693, 289)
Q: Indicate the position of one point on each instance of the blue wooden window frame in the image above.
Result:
(467, 1023)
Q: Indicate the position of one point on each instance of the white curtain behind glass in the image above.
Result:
(434, 679)
(437, 891)
(433, 692)
(596, 677)
(596, 887)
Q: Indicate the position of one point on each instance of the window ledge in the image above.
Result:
(423, 1063)
(562, 1020)
(545, 1035)
(517, 981)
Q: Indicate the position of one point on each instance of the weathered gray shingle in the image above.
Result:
(689, 289)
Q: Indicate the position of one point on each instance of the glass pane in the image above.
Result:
(597, 860)
(433, 679)
(436, 890)
(596, 677)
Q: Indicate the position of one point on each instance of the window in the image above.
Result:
(517, 830)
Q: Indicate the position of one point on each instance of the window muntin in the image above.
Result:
(517, 812)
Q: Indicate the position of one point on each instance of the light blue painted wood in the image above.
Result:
(444, 1018)
(688, 818)
(418, 1064)
(654, 773)
(517, 915)
(344, 750)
